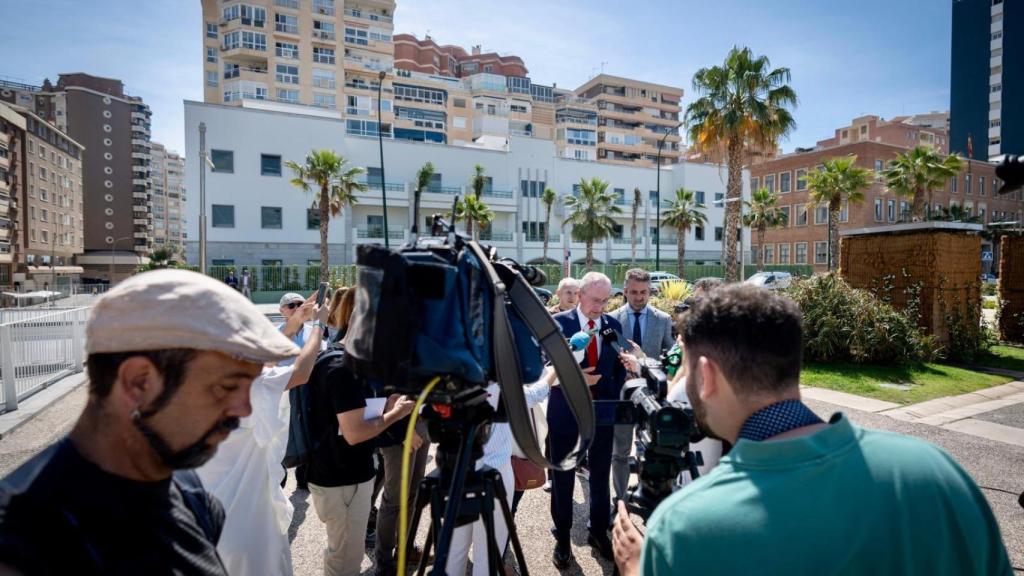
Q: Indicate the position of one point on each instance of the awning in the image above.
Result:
(55, 270)
(30, 295)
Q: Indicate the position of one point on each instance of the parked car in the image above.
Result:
(771, 280)
(543, 293)
(656, 279)
(988, 278)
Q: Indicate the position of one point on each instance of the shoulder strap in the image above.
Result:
(506, 282)
(197, 499)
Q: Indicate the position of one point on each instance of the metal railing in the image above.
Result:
(39, 350)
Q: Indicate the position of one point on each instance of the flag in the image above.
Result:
(970, 147)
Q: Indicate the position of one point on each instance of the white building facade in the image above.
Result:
(257, 217)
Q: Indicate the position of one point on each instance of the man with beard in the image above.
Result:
(797, 495)
(171, 358)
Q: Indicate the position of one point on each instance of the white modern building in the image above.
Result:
(257, 217)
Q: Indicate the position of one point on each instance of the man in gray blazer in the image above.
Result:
(651, 329)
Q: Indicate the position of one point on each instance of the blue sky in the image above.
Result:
(847, 59)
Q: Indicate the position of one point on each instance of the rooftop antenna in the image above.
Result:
(602, 66)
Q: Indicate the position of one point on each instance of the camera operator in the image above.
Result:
(797, 495)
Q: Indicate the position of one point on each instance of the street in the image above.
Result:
(995, 466)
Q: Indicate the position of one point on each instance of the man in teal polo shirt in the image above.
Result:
(797, 495)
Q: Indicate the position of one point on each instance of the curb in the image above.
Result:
(36, 403)
(847, 400)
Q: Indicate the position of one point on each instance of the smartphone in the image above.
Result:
(320, 293)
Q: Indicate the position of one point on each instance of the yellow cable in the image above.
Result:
(403, 506)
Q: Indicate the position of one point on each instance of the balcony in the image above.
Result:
(254, 73)
(377, 232)
(498, 193)
(283, 28)
(360, 64)
(139, 182)
(368, 16)
(144, 116)
(450, 190)
(390, 186)
(539, 238)
(496, 235)
(141, 156)
(140, 195)
(293, 4)
(326, 83)
(324, 35)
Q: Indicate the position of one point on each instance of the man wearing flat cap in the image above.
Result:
(171, 356)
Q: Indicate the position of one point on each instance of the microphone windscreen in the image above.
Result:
(579, 341)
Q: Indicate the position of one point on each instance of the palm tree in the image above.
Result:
(763, 212)
(336, 185)
(681, 214)
(477, 212)
(632, 227)
(837, 180)
(916, 173)
(423, 179)
(477, 182)
(590, 214)
(743, 104)
(548, 199)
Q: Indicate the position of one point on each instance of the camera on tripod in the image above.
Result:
(665, 430)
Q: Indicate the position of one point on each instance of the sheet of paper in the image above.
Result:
(374, 408)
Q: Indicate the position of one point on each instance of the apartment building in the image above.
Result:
(258, 218)
(115, 130)
(168, 175)
(12, 134)
(45, 227)
(905, 131)
(986, 79)
(633, 117)
(804, 240)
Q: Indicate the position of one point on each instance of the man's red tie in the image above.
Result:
(592, 346)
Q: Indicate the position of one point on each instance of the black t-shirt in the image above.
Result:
(334, 389)
(61, 514)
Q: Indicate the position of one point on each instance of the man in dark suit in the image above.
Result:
(589, 316)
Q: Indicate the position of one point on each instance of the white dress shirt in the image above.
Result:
(583, 326)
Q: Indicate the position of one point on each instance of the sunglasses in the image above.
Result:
(293, 305)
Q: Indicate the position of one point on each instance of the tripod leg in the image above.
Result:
(506, 512)
(454, 501)
(423, 492)
(487, 516)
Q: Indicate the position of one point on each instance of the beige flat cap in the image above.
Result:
(167, 309)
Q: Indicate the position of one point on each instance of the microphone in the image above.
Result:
(614, 338)
(578, 344)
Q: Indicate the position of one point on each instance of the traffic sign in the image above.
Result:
(986, 256)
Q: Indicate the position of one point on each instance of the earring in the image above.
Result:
(136, 414)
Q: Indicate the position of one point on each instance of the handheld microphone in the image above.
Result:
(578, 344)
(613, 337)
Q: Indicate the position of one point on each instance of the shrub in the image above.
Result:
(843, 324)
(989, 304)
(988, 289)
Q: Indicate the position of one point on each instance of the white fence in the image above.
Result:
(38, 347)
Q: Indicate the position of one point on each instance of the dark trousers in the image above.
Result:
(599, 458)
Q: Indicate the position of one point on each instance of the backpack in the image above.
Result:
(302, 441)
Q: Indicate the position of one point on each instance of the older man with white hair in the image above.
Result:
(568, 294)
(588, 316)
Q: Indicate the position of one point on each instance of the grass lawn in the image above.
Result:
(926, 381)
(1005, 357)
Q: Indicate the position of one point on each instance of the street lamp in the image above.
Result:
(113, 245)
(743, 262)
(657, 199)
(380, 142)
(205, 162)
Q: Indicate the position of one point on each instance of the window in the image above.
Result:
(323, 79)
(821, 214)
(288, 96)
(719, 198)
(801, 179)
(769, 182)
(324, 100)
(270, 165)
(878, 209)
(270, 217)
(44, 215)
(784, 182)
(223, 161)
(32, 212)
(211, 54)
(904, 210)
(414, 94)
(981, 185)
(801, 215)
(223, 216)
(821, 252)
(287, 50)
(967, 184)
(286, 24)
(223, 262)
(312, 219)
(323, 30)
(325, 7)
(786, 212)
(459, 122)
(891, 210)
(718, 233)
(783, 253)
(323, 55)
(254, 41)
(45, 239)
(356, 36)
(698, 196)
(698, 233)
(769, 254)
(211, 30)
(287, 74)
(754, 183)
(800, 257)
(459, 102)
(844, 212)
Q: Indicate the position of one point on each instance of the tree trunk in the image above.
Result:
(590, 255)
(928, 208)
(760, 242)
(833, 236)
(733, 191)
(681, 248)
(917, 209)
(633, 239)
(324, 220)
(547, 233)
